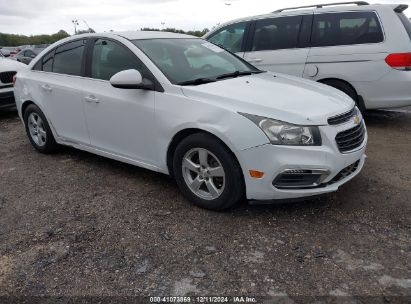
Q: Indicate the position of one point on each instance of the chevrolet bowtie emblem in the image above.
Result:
(357, 120)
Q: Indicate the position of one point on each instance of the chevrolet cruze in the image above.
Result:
(182, 106)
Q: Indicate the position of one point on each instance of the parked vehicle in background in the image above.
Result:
(41, 46)
(8, 69)
(27, 55)
(182, 106)
(363, 50)
(22, 47)
(5, 51)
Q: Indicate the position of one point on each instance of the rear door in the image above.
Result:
(280, 44)
(58, 88)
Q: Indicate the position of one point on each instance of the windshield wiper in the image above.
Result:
(197, 81)
(237, 74)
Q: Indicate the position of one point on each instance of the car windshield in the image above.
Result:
(193, 61)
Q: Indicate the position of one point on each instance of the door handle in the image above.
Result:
(92, 99)
(255, 60)
(46, 88)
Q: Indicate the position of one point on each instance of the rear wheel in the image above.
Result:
(207, 173)
(38, 130)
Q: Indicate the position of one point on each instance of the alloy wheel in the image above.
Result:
(203, 173)
(37, 129)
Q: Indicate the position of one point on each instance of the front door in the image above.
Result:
(120, 121)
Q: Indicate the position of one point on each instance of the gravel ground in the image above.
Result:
(75, 224)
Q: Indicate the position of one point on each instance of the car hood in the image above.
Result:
(277, 96)
(8, 65)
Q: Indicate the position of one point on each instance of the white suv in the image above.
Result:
(363, 50)
(183, 106)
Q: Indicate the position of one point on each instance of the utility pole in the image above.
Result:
(163, 23)
(75, 22)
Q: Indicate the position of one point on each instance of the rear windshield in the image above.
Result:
(406, 22)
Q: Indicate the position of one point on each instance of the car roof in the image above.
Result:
(136, 35)
(306, 11)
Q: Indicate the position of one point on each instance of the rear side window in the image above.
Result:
(68, 58)
(406, 22)
(48, 62)
(230, 37)
(277, 33)
(65, 59)
(346, 28)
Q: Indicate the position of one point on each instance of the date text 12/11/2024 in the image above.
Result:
(199, 299)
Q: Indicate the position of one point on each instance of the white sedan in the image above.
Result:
(182, 106)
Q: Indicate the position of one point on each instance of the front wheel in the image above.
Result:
(207, 173)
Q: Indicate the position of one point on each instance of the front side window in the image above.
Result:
(230, 37)
(68, 58)
(277, 33)
(110, 58)
(346, 28)
(185, 60)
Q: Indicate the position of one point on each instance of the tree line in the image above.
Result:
(17, 40)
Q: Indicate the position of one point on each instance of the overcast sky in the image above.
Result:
(49, 16)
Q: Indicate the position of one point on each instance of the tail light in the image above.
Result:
(14, 79)
(399, 61)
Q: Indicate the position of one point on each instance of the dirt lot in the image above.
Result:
(81, 225)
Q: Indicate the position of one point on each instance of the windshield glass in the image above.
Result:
(184, 61)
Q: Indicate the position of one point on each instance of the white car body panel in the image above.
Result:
(291, 61)
(361, 65)
(138, 126)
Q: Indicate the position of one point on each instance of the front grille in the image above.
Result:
(342, 118)
(344, 173)
(7, 77)
(350, 139)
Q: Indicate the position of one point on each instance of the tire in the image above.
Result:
(36, 123)
(347, 89)
(218, 189)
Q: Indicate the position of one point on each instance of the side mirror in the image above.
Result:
(131, 79)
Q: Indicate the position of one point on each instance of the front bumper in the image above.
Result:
(274, 160)
(7, 98)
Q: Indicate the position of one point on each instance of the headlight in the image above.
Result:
(282, 133)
